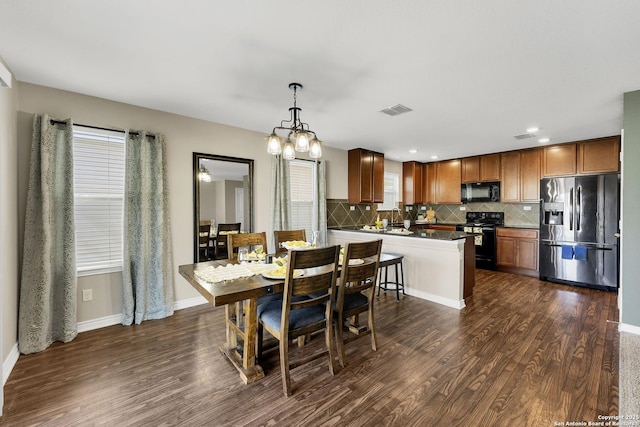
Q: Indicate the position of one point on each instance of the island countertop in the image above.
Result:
(420, 233)
(438, 266)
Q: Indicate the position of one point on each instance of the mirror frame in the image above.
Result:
(196, 193)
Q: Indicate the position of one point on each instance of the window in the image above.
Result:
(302, 183)
(391, 191)
(98, 168)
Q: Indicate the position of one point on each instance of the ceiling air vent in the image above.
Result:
(396, 109)
(524, 136)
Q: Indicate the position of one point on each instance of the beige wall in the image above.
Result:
(184, 136)
(8, 219)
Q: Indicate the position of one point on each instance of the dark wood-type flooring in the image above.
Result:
(522, 353)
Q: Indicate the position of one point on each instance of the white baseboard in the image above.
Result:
(629, 328)
(116, 319)
(9, 363)
(90, 325)
(437, 299)
(102, 322)
(191, 302)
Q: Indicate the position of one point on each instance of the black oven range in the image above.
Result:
(483, 226)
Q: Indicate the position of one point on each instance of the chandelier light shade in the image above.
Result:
(289, 151)
(204, 174)
(305, 139)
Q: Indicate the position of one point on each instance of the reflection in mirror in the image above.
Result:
(223, 202)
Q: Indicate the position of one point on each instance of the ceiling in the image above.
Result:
(474, 73)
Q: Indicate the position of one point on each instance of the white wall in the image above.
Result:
(184, 136)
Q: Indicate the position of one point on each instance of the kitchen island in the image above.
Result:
(439, 266)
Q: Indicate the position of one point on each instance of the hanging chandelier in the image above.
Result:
(305, 139)
(204, 175)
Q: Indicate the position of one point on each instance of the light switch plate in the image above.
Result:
(368, 208)
(527, 208)
(352, 208)
(463, 208)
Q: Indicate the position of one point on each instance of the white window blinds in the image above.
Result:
(391, 191)
(302, 184)
(98, 167)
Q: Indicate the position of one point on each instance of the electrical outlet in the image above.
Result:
(527, 208)
(463, 208)
(87, 295)
(352, 208)
(368, 208)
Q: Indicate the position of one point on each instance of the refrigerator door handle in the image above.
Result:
(578, 207)
(571, 209)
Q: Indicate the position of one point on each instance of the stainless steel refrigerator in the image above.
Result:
(579, 230)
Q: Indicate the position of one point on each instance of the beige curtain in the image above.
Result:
(49, 282)
(148, 258)
(280, 196)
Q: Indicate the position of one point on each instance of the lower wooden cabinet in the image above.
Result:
(517, 251)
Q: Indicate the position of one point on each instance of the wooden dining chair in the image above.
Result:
(356, 291)
(252, 240)
(203, 242)
(221, 238)
(306, 307)
(280, 236)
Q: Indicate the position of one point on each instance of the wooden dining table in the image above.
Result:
(240, 299)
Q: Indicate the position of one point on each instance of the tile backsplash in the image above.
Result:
(339, 213)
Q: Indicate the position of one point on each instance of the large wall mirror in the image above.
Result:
(223, 198)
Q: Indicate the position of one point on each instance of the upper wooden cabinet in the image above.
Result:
(429, 183)
(510, 182)
(520, 176)
(530, 175)
(559, 160)
(365, 176)
(481, 168)
(448, 181)
(412, 181)
(599, 155)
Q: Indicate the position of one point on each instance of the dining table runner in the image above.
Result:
(222, 273)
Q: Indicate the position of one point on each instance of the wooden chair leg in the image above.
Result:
(328, 338)
(260, 340)
(374, 342)
(340, 339)
(284, 366)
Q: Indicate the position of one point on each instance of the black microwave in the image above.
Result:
(480, 192)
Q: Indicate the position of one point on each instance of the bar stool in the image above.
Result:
(387, 260)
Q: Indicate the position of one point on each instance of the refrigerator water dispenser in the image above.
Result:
(553, 214)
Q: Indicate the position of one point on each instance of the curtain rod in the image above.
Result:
(60, 122)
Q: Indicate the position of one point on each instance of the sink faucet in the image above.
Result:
(399, 214)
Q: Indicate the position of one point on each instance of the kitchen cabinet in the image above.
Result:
(588, 157)
(517, 250)
(600, 155)
(558, 160)
(481, 168)
(429, 183)
(510, 180)
(365, 176)
(448, 181)
(412, 182)
(530, 175)
(520, 176)
(442, 227)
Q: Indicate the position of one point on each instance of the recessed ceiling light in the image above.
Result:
(434, 157)
(544, 140)
(532, 129)
(413, 151)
